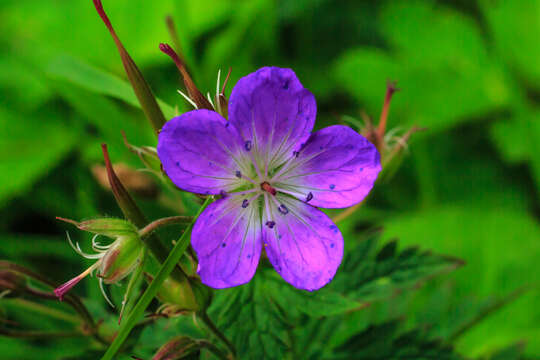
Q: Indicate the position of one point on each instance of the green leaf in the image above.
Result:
(370, 275)
(29, 152)
(387, 341)
(438, 57)
(517, 138)
(512, 352)
(514, 26)
(66, 67)
(252, 320)
(500, 246)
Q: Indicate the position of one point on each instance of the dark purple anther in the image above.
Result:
(245, 203)
(238, 174)
(283, 209)
(223, 194)
(309, 197)
(332, 186)
(247, 145)
(295, 154)
(270, 224)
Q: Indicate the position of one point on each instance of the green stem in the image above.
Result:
(134, 214)
(214, 329)
(172, 220)
(41, 309)
(40, 334)
(70, 299)
(212, 348)
(150, 292)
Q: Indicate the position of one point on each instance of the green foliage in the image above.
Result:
(28, 154)
(261, 315)
(469, 186)
(387, 341)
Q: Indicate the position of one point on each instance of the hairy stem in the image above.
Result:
(172, 220)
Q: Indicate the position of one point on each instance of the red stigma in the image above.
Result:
(268, 188)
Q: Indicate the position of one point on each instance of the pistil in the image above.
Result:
(265, 186)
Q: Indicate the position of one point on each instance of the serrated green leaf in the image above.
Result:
(252, 320)
(387, 341)
(375, 275)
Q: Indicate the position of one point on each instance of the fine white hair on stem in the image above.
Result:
(187, 98)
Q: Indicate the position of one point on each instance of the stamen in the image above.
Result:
(283, 209)
(238, 174)
(284, 168)
(309, 197)
(297, 194)
(247, 145)
(240, 193)
(245, 203)
(270, 224)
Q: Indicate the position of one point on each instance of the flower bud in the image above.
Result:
(110, 227)
(114, 261)
(180, 347)
(141, 88)
(121, 259)
(176, 296)
(147, 154)
(193, 92)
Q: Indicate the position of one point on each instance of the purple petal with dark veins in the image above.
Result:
(304, 246)
(337, 166)
(197, 152)
(227, 240)
(273, 112)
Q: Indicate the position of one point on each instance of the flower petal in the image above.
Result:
(303, 244)
(336, 168)
(197, 152)
(227, 240)
(273, 113)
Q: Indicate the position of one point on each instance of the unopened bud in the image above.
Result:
(177, 296)
(395, 148)
(141, 88)
(110, 227)
(195, 95)
(147, 154)
(180, 347)
(121, 259)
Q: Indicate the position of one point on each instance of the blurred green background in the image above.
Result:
(469, 71)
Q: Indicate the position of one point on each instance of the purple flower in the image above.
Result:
(273, 172)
